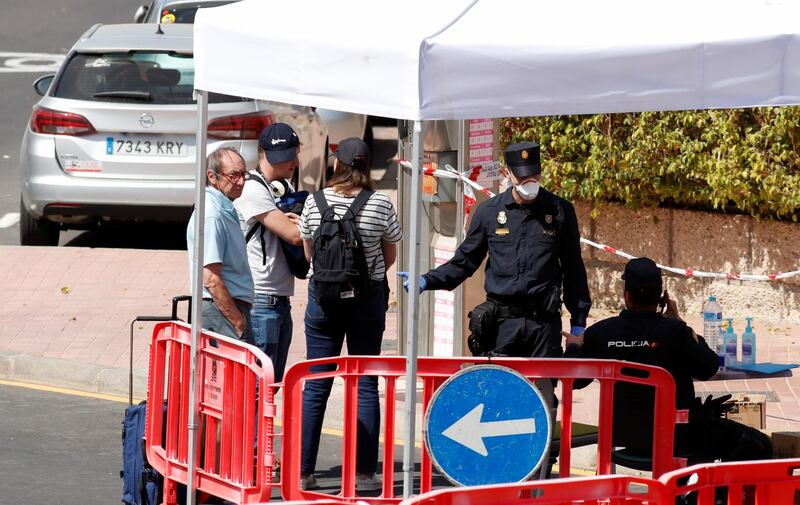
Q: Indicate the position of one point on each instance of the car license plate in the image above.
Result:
(145, 147)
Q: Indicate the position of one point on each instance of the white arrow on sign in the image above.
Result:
(469, 431)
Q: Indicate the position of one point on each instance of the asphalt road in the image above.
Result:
(31, 31)
(59, 449)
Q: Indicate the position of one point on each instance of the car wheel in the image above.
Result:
(34, 231)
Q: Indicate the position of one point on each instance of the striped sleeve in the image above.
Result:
(309, 216)
(392, 233)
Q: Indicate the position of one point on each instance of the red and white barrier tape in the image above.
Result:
(469, 200)
(690, 272)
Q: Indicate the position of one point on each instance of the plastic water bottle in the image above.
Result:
(729, 342)
(749, 344)
(712, 322)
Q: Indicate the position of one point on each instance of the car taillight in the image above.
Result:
(240, 127)
(56, 122)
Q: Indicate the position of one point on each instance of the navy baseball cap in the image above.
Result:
(523, 159)
(642, 275)
(279, 142)
(351, 148)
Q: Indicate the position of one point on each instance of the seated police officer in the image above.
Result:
(533, 243)
(644, 335)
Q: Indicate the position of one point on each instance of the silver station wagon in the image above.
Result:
(113, 136)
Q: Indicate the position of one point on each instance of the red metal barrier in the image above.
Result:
(772, 482)
(432, 372)
(769, 482)
(605, 490)
(319, 502)
(230, 374)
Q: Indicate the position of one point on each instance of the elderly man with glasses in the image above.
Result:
(227, 281)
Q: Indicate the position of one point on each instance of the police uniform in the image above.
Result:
(533, 249)
(645, 336)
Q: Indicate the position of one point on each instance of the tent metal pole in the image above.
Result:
(402, 130)
(197, 283)
(411, 323)
(462, 164)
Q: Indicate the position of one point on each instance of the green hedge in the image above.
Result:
(732, 160)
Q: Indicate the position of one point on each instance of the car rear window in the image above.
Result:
(135, 77)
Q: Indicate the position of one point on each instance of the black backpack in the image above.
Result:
(340, 266)
(295, 256)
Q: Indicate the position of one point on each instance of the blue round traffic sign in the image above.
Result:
(487, 424)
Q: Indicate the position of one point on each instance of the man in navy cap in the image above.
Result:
(258, 211)
(533, 243)
(643, 334)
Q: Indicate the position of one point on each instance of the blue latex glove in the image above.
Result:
(422, 281)
(576, 330)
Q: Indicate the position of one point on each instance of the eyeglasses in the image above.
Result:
(234, 177)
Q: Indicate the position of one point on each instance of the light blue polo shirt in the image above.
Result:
(223, 243)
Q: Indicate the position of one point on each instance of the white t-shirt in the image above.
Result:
(274, 277)
(377, 222)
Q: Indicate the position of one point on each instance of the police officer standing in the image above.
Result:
(533, 243)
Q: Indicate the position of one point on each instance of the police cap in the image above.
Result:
(523, 159)
(642, 276)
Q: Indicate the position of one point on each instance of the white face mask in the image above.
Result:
(528, 190)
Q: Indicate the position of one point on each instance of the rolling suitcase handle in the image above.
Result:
(182, 298)
(173, 317)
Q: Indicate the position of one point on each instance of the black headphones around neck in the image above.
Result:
(279, 188)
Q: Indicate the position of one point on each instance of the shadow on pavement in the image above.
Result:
(145, 235)
(329, 470)
(330, 480)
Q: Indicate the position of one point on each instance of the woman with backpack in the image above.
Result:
(350, 236)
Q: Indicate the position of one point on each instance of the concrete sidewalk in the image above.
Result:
(66, 312)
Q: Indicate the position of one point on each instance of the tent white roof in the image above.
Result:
(461, 59)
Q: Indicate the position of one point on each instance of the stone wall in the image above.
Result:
(705, 241)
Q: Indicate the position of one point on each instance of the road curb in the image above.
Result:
(71, 374)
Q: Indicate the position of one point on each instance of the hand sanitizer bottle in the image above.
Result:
(749, 344)
(730, 344)
(712, 323)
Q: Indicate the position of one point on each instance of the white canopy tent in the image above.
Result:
(462, 59)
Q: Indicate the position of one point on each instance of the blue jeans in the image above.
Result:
(214, 320)
(272, 329)
(362, 321)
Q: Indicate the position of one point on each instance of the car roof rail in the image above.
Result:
(91, 31)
